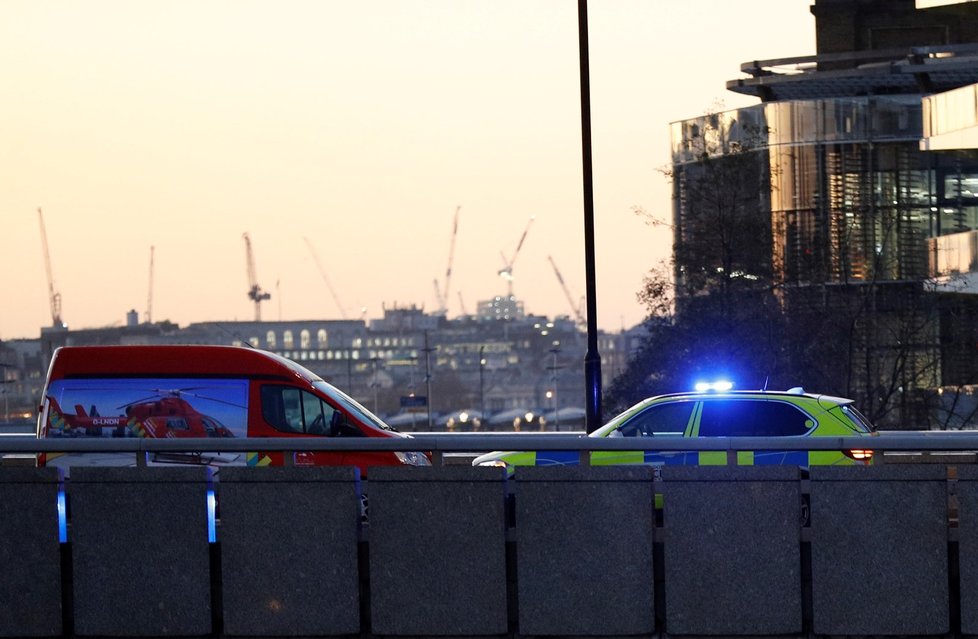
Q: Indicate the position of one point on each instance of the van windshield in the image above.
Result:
(351, 405)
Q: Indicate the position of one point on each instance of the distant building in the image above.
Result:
(517, 365)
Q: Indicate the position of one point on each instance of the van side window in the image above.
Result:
(738, 418)
(292, 410)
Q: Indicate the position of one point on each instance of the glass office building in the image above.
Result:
(852, 196)
(869, 184)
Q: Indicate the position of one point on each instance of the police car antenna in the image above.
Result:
(766, 379)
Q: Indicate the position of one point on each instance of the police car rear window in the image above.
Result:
(752, 418)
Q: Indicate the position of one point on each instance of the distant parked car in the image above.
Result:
(709, 413)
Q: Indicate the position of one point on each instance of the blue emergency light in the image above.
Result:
(718, 386)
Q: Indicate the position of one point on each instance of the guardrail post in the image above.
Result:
(289, 551)
(437, 551)
(140, 555)
(584, 550)
(30, 560)
(879, 550)
(732, 549)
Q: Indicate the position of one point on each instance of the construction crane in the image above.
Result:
(53, 296)
(149, 296)
(322, 272)
(255, 292)
(441, 295)
(507, 271)
(576, 308)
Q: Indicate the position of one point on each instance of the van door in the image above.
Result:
(288, 411)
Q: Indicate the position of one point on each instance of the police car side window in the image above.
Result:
(752, 418)
(659, 420)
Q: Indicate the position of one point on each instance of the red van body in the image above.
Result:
(202, 391)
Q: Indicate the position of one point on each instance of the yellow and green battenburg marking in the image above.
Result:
(257, 459)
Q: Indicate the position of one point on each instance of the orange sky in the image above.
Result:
(182, 124)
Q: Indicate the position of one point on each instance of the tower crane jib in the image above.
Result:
(507, 271)
(54, 297)
(576, 308)
(322, 273)
(149, 297)
(441, 294)
(255, 292)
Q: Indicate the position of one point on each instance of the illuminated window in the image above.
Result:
(322, 338)
(305, 339)
(270, 339)
(287, 341)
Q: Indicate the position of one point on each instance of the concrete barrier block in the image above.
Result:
(879, 550)
(584, 550)
(140, 555)
(289, 551)
(30, 557)
(437, 550)
(967, 491)
(732, 550)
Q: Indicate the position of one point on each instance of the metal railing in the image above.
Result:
(480, 442)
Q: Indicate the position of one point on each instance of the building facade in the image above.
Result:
(852, 205)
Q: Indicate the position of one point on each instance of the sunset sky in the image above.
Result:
(183, 124)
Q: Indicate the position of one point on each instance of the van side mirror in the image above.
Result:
(340, 426)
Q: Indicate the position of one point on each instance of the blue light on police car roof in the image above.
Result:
(717, 386)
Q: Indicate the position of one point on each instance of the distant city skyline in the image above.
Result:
(347, 134)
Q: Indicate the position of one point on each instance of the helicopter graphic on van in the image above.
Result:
(147, 408)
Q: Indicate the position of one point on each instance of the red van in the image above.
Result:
(202, 391)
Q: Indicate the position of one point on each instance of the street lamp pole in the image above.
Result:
(553, 382)
(482, 391)
(427, 379)
(592, 360)
(6, 393)
(373, 381)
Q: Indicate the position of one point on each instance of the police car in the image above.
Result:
(715, 410)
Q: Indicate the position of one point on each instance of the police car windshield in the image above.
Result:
(615, 422)
(352, 406)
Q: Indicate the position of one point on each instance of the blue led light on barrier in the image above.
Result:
(62, 516)
(211, 516)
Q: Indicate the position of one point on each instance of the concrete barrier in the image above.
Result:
(732, 550)
(139, 547)
(584, 551)
(879, 539)
(289, 563)
(437, 551)
(581, 556)
(30, 560)
(967, 501)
